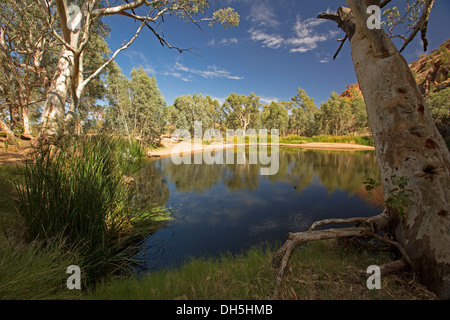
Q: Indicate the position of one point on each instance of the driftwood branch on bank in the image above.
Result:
(363, 228)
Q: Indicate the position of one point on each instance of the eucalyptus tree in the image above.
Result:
(26, 51)
(74, 33)
(242, 111)
(148, 112)
(136, 108)
(303, 117)
(119, 102)
(412, 156)
(334, 116)
(30, 54)
(275, 116)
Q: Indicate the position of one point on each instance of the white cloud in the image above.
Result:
(273, 41)
(139, 59)
(268, 100)
(211, 72)
(223, 43)
(262, 15)
(304, 39)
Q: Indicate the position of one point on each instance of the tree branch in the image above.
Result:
(119, 9)
(421, 26)
(340, 47)
(330, 16)
(61, 7)
(124, 46)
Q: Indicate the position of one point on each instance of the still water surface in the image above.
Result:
(230, 208)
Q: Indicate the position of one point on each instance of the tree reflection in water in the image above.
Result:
(221, 208)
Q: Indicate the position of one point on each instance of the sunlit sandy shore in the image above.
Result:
(169, 147)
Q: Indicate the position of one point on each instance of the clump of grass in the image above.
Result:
(129, 150)
(76, 192)
(33, 272)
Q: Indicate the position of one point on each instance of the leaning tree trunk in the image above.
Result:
(54, 109)
(408, 146)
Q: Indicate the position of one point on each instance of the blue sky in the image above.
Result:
(278, 47)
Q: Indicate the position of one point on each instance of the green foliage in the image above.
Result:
(77, 194)
(137, 107)
(242, 112)
(409, 17)
(439, 105)
(362, 140)
(304, 111)
(339, 116)
(275, 116)
(227, 17)
(188, 109)
(398, 197)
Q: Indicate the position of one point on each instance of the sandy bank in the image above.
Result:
(169, 145)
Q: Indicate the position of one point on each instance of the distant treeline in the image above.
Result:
(137, 108)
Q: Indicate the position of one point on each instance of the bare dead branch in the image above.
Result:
(395, 244)
(281, 258)
(123, 47)
(340, 47)
(367, 227)
(330, 16)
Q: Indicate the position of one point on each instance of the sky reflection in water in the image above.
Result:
(230, 208)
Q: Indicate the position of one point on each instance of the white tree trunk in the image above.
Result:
(408, 145)
(54, 109)
(4, 127)
(26, 122)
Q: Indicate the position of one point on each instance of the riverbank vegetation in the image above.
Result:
(73, 202)
(320, 271)
(325, 270)
(76, 202)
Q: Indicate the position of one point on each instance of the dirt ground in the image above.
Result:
(16, 152)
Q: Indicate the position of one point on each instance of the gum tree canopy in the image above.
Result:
(71, 25)
(413, 158)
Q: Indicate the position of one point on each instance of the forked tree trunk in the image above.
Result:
(408, 145)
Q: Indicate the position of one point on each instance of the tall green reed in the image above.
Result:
(77, 192)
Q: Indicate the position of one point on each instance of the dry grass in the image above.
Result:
(327, 271)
